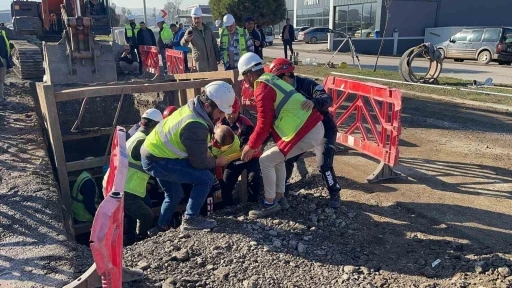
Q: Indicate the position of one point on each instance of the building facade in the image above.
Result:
(363, 18)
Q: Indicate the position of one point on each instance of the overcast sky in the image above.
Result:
(5, 4)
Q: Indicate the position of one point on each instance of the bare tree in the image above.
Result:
(123, 11)
(387, 3)
(172, 7)
(177, 4)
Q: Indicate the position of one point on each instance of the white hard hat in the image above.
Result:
(222, 94)
(153, 114)
(217, 22)
(249, 61)
(131, 17)
(228, 20)
(196, 12)
(159, 19)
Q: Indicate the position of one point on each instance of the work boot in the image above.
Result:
(335, 199)
(283, 203)
(155, 230)
(265, 210)
(197, 223)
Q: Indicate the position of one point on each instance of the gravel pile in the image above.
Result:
(34, 250)
(314, 246)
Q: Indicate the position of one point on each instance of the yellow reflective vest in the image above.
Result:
(164, 141)
(166, 34)
(78, 207)
(6, 43)
(233, 149)
(224, 42)
(289, 116)
(131, 32)
(137, 177)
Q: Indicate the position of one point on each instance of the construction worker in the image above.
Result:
(130, 36)
(205, 49)
(164, 39)
(317, 98)
(5, 52)
(294, 130)
(242, 129)
(234, 42)
(176, 153)
(136, 205)
(169, 110)
(85, 196)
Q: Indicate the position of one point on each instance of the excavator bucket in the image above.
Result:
(65, 67)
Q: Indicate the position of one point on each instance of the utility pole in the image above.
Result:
(145, 14)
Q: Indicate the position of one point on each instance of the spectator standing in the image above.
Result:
(5, 51)
(130, 35)
(176, 43)
(234, 43)
(288, 36)
(257, 36)
(164, 39)
(205, 50)
(145, 37)
(127, 63)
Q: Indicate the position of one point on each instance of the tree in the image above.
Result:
(387, 4)
(264, 12)
(129, 12)
(123, 11)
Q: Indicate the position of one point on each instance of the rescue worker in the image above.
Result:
(176, 153)
(136, 205)
(86, 197)
(294, 130)
(5, 52)
(317, 98)
(164, 39)
(234, 42)
(205, 50)
(130, 36)
(169, 110)
(242, 129)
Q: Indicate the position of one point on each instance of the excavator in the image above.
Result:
(67, 29)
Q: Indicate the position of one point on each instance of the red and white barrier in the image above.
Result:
(150, 59)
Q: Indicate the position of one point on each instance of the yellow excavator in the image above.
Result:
(67, 29)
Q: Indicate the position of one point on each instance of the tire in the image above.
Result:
(313, 40)
(458, 60)
(270, 43)
(484, 57)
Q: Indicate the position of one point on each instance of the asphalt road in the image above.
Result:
(468, 70)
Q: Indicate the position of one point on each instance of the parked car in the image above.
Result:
(269, 34)
(482, 44)
(366, 33)
(300, 29)
(315, 34)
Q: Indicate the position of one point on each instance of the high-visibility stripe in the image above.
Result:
(287, 95)
(166, 137)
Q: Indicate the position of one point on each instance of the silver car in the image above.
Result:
(315, 34)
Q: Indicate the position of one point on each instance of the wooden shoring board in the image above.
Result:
(50, 115)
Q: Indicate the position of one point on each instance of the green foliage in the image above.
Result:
(264, 12)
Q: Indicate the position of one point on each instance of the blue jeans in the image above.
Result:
(170, 174)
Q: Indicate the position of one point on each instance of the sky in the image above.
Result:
(6, 4)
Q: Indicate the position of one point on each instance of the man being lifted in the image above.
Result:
(316, 98)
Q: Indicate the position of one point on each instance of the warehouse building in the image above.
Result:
(362, 18)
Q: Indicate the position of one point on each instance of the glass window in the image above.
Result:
(299, 12)
(492, 35)
(461, 36)
(476, 35)
(340, 18)
(507, 35)
(354, 19)
(319, 12)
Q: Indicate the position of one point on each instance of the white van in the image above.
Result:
(269, 35)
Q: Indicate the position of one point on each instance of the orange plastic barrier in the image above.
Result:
(150, 59)
(175, 61)
(368, 119)
(107, 228)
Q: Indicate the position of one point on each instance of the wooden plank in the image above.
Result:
(85, 164)
(87, 134)
(206, 75)
(50, 115)
(64, 94)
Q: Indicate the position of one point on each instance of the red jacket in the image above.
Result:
(265, 96)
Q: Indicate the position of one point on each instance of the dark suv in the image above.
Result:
(483, 44)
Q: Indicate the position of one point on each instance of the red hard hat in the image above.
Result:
(236, 106)
(169, 110)
(281, 66)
